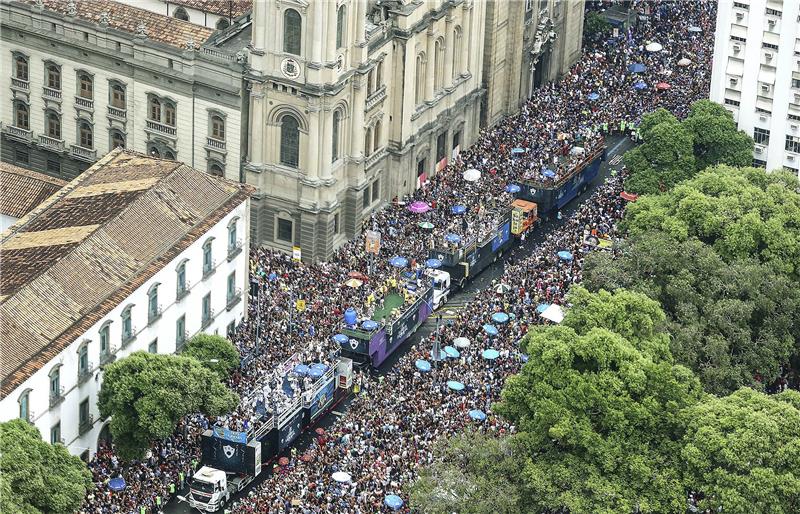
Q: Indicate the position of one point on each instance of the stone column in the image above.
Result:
(448, 52)
(467, 37)
(429, 67)
(259, 18)
(312, 162)
(316, 48)
(257, 127)
(325, 143)
(330, 26)
(361, 18)
(356, 118)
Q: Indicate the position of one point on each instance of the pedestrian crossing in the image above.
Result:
(615, 160)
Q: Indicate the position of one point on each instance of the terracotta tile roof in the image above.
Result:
(161, 28)
(21, 190)
(88, 247)
(226, 8)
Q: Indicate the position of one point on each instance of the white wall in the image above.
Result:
(163, 329)
(6, 221)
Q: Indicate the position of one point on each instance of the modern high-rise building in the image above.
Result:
(756, 75)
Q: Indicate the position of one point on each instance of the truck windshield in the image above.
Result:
(438, 284)
(203, 486)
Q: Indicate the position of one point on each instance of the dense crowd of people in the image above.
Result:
(387, 433)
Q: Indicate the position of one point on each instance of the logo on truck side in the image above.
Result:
(229, 450)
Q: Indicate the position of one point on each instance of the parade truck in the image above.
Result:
(231, 460)
(463, 263)
(524, 216)
(552, 195)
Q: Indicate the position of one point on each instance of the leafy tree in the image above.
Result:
(740, 212)
(473, 474)
(595, 25)
(728, 322)
(147, 394)
(214, 352)
(743, 452)
(665, 158)
(716, 139)
(36, 477)
(600, 422)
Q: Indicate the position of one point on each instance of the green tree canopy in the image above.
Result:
(740, 212)
(36, 477)
(716, 139)
(728, 322)
(595, 25)
(147, 394)
(208, 348)
(743, 452)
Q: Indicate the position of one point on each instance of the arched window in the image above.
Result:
(169, 154)
(370, 81)
(181, 14)
(438, 64)
(24, 405)
(118, 96)
(154, 152)
(379, 75)
(457, 49)
(105, 339)
(337, 120)
(208, 262)
(377, 135)
(223, 24)
(169, 114)
(87, 141)
(21, 115)
(217, 127)
(53, 77)
(86, 86)
(419, 89)
(368, 142)
(117, 139)
(127, 326)
(292, 31)
(153, 309)
(155, 109)
(216, 170)
(290, 141)
(55, 382)
(181, 276)
(341, 19)
(53, 122)
(232, 235)
(83, 358)
(21, 67)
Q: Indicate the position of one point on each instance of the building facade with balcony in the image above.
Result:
(756, 76)
(87, 77)
(108, 266)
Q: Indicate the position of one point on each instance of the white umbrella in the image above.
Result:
(684, 62)
(341, 477)
(471, 175)
(554, 313)
(577, 150)
(461, 342)
(503, 288)
(654, 47)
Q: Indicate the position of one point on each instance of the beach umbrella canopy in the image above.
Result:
(477, 415)
(423, 365)
(427, 225)
(554, 313)
(369, 325)
(565, 255)
(116, 484)
(662, 86)
(549, 173)
(490, 354)
(393, 501)
(341, 477)
(471, 175)
(490, 329)
(637, 68)
(283, 461)
(631, 197)
(341, 338)
(461, 342)
(455, 386)
(512, 188)
(592, 96)
(302, 369)
(452, 238)
(350, 316)
(695, 28)
(654, 47)
(500, 317)
(358, 275)
(684, 62)
(419, 207)
(442, 356)
(640, 85)
(354, 283)
(502, 288)
(315, 372)
(452, 352)
(398, 262)
(433, 263)
(272, 277)
(458, 209)
(542, 307)
(517, 150)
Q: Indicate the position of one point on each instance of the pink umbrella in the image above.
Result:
(662, 86)
(419, 207)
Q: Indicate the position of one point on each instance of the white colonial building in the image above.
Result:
(136, 254)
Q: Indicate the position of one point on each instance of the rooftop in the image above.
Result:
(158, 27)
(230, 9)
(21, 190)
(71, 260)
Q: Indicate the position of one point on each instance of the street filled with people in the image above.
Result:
(389, 429)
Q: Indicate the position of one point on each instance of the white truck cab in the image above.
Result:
(441, 287)
(209, 490)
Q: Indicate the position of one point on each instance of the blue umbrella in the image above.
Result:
(433, 263)
(423, 365)
(319, 366)
(452, 238)
(593, 96)
(542, 307)
(490, 329)
(512, 188)
(490, 354)
(458, 209)
(517, 150)
(637, 68)
(116, 484)
(393, 501)
(455, 386)
(350, 316)
(302, 369)
(315, 372)
(452, 352)
(564, 255)
(398, 262)
(500, 317)
(640, 85)
(477, 415)
(549, 173)
(272, 277)
(369, 325)
(442, 356)
(341, 338)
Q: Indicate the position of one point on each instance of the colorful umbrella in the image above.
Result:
(433, 263)
(427, 225)
(592, 96)
(341, 338)
(513, 189)
(640, 85)
(393, 501)
(116, 484)
(502, 288)
(471, 175)
(500, 317)
(398, 262)
(564, 255)
(458, 209)
(477, 415)
(490, 329)
(549, 173)
(461, 342)
(369, 325)
(452, 352)
(302, 369)
(517, 150)
(662, 86)
(490, 354)
(455, 386)
(637, 68)
(423, 365)
(354, 283)
(419, 207)
(452, 238)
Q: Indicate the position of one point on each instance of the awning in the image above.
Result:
(735, 67)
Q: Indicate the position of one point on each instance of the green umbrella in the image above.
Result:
(425, 224)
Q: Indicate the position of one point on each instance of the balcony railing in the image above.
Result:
(85, 154)
(128, 338)
(49, 92)
(21, 134)
(234, 298)
(51, 143)
(153, 315)
(85, 374)
(108, 357)
(56, 397)
(234, 249)
(216, 144)
(376, 156)
(86, 103)
(115, 112)
(181, 341)
(160, 128)
(375, 98)
(182, 291)
(207, 319)
(86, 424)
(210, 269)
(20, 84)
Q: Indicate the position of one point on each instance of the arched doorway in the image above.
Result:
(104, 439)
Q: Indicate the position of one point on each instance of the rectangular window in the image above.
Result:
(83, 360)
(728, 101)
(153, 346)
(207, 262)
(440, 142)
(182, 279)
(55, 433)
(762, 111)
(365, 198)
(231, 285)
(761, 136)
(758, 163)
(21, 156)
(206, 307)
(285, 230)
(793, 144)
(456, 139)
(231, 329)
(180, 330)
(789, 168)
(232, 237)
(376, 190)
(336, 223)
(769, 45)
(796, 83)
(83, 412)
(794, 117)
(53, 167)
(420, 167)
(55, 384)
(127, 329)
(741, 5)
(104, 340)
(739, 39)
(773, 12)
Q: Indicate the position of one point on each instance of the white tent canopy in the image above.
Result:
(554, 313)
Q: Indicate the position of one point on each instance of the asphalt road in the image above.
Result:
(616, 147)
